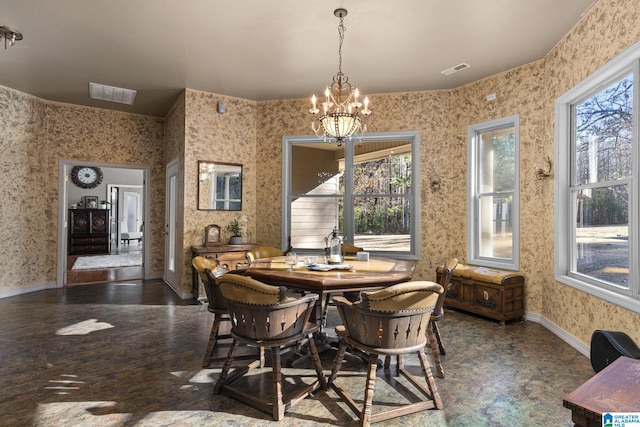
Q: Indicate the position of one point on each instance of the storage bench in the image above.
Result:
(497, 294)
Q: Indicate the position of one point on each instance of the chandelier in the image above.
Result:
(10, 35)
(343, 115)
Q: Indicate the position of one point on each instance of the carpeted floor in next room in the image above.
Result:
(129, 354)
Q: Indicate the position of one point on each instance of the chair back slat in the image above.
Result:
(385, 330)
(399, 317)
(263, 323)
(262, 312)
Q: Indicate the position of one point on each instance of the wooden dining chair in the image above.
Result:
(263, 315)
(389, 322)
(263, 252)
(207, 270)
(438, 312)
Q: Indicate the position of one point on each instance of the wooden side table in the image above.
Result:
(614, 389)
(231, 256)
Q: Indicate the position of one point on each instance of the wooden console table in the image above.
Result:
(614, 389)
(497, 294)
(230, 256)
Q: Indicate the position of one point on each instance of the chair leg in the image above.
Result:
(317, 363)
(436, 331)
(431, 383)
(225, 368)
(213, 337)
(365, 416)
(337, 361)
(278, 404)
(434, 351)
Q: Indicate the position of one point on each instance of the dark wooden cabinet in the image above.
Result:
(497, 294)
(230, 256)
(88, 231)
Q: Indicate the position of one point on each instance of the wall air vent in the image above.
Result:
(455, 69)
(111, 93)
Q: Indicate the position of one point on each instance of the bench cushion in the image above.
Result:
(482, 274)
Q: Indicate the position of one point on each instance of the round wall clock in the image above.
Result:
(86, 176)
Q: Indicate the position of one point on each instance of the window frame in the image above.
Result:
(628, 62)
(473, 199)
(414, 136)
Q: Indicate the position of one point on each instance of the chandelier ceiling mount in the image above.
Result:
(10, 35)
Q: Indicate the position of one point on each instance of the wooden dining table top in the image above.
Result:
(365, 275)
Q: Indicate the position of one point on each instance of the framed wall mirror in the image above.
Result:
(219, 186)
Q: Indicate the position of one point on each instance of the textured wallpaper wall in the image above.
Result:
(36, 134)
(229, 138)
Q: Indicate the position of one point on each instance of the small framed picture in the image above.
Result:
(211, 235)
(90, 202)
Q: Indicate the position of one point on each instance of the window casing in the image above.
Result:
(596, 172)
(368, 188)
(493, 193)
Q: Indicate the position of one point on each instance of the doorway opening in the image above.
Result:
(116, 226)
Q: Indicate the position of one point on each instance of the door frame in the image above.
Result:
(173, 278)
(64, 171)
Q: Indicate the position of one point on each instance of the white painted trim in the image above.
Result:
(289, 140)
(64, 166)
(182, 295)
(472, 209)
(27, 290)
(564, 231)
(565, 336)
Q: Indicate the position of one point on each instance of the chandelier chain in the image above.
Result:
(341, 30)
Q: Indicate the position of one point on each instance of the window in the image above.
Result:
(493, 203)
(596, 222)
(367, 188)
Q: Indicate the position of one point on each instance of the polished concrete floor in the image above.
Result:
(129, 354)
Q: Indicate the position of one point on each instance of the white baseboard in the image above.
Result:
(565, 336)
(182, 295)
(27, 290)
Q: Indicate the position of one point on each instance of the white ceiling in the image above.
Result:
(268, 49)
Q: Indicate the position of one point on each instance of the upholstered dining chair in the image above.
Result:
(208, 269)
(438, 312)
(392, 321)
(263, 315)
(263, 252)
(349, 249)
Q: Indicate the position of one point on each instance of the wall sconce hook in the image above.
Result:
(544, 173)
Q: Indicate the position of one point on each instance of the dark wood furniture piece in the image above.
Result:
(438, 312)
(219, 340)
(366, 275)
(614, 389)
(389, 322)
(88, 231)
(230, 257)
(497, 294)
(265, 317)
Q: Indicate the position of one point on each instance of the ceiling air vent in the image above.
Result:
(455, 69)
(111, 93)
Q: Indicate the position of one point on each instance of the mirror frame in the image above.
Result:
(208, 162)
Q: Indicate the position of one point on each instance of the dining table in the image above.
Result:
(352, 275)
